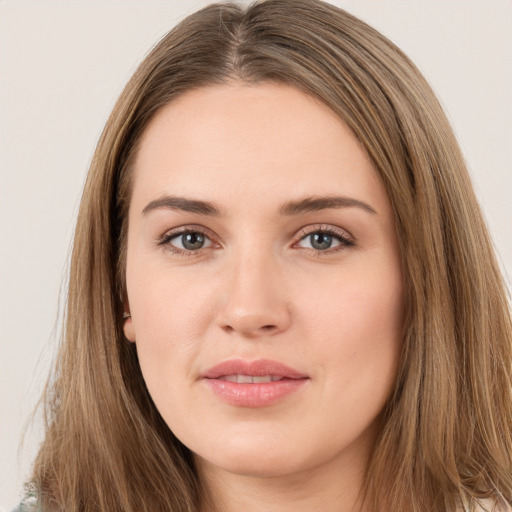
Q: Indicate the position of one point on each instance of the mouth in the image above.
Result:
(253, 383)
(251, 379)
(241, 369)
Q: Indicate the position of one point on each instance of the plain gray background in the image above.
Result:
(63, 64)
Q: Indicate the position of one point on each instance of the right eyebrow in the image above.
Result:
(182, 203)
(317, 203)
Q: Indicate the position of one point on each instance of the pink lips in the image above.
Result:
(253, 383)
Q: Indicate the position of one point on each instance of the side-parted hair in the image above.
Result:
(446, 439)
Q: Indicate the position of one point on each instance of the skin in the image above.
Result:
(258, 289)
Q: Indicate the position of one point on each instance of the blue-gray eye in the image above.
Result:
(323, 241)
(191, 241)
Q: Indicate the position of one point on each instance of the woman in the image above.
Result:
(282, 293)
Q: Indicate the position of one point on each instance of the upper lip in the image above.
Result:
(257, 368)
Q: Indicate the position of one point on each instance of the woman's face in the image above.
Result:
(264, 281)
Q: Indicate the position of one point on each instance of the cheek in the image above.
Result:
(357, 303)
(165, 301)
(167, 318)
(357, 327)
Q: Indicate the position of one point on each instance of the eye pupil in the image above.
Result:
(321, 241)
(192, 241)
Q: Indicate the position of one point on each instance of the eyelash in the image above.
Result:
(171, 235)
(342, 236)
(344, 239)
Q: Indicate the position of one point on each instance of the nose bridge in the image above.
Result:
(255, 303)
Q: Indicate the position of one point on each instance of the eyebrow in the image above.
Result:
(313, 204)
(183, 204)
(306, 205)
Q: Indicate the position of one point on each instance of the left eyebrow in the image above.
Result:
(183, 204)
(315, 203)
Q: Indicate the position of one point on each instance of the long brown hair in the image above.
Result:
(447, 430)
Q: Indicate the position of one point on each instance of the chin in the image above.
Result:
(258, 456)
(255, 465)
(262, 458)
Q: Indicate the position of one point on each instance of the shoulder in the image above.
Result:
(28, 505)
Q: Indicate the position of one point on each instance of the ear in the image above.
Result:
(128, 329)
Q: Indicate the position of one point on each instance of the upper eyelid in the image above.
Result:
(326, 228)
(189, 228)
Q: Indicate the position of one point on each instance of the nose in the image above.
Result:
(254, 303)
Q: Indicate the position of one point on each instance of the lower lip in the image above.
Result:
(254, 395)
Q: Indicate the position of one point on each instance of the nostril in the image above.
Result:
(269, 328)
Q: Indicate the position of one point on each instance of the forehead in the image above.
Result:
(251, 140)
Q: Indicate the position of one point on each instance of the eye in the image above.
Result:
(320, 241)
(186, 241)
(325, 240)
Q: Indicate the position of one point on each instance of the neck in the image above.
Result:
(333, 487)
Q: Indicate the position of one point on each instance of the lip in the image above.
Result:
(259, 394)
